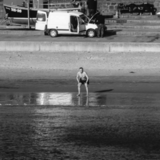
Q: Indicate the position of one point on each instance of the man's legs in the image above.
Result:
(102, 30)
(79, 89)
(86, 86)
(98, 30)
(100, 35)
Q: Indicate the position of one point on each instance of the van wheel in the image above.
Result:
(91, 33)
(53, 33)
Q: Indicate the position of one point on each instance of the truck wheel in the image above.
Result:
(53, 33)
(91, 33)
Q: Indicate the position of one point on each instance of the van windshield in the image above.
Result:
(84, 18)
(41, 17)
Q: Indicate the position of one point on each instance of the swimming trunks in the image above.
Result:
(83, 81)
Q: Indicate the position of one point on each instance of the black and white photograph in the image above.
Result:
(79, 79)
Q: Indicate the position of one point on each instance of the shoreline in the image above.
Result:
(97, 84)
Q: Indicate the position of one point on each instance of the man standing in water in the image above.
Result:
(82, 78)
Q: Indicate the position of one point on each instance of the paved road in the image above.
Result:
(35, 36)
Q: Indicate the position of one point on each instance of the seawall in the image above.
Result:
(78, 46)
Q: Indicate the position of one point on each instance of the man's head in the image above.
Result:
(81, 69)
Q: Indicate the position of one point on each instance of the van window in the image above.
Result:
(41, 17)
(74, 23)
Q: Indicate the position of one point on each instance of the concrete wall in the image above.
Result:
(99, 47)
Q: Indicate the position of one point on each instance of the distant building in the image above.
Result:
(106, 7)
(109, 7)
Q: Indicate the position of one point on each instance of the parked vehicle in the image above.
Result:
(56, 23)
(140, 8)
(19, 14)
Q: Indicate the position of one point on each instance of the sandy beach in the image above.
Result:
(118, 120)
(47, 71)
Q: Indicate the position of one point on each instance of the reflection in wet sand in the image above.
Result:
(54, 99)
(83, 101)
(71, 99)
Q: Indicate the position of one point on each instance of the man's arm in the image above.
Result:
(77, 77)
(87, 77)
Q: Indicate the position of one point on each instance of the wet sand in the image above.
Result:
(126, 127)
(69, 99)
(97, 84)
(79, 133)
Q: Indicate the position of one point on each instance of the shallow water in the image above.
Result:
(71, 99)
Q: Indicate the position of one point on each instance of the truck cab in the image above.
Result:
(56, 23)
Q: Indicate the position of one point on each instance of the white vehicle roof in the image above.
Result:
(74, 13)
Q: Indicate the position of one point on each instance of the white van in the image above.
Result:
(57, 23)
